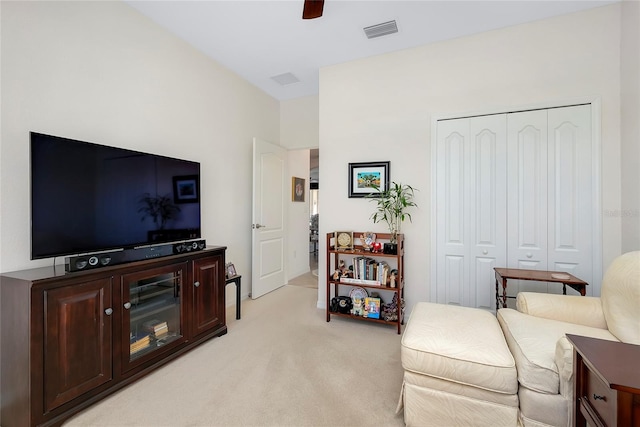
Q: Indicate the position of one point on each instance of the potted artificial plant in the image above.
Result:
(392, 204)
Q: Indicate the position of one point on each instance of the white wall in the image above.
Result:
(630, 122)
(380, 108)
(299, 123)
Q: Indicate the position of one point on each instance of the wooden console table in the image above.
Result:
(502, 274)
(607, 382)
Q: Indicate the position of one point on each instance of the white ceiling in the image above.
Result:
(260, 39)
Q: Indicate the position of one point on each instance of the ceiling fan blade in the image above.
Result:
(312, 9)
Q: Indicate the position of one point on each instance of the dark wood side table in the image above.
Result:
(237, 280)
(606, 382)
(502, 274)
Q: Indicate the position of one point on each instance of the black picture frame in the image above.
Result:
(186, 189)
(362, 177)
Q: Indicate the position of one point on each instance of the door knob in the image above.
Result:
(108, 311)
(127, 305)
(197, 284)
(484, 252)
(529, 254)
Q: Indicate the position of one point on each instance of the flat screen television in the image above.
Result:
(87, 198)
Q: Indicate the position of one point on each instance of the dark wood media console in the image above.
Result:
(71, 339)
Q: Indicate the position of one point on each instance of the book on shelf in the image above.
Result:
(140, 344)
(156, 328)
(354, 281)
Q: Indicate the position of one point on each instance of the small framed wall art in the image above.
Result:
(367, 179)
(297, 189)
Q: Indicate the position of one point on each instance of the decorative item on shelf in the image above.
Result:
(392, 204)
(377, 247)
(373, 307)
(393, 278)
(390, 312)
(357, 309)
(341, 304)
(231, 270)
(368, 239)
(344, 240)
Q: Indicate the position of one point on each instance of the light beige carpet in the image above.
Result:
(282, 364)
(307, 280)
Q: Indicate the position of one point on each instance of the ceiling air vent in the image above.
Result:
(285, 79)
(381, 29)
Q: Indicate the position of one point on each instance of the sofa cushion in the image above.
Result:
(532, 341)
(621, 297)
(459, 344)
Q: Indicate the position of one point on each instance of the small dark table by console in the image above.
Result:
(607, 382)
(236, 279)
(502, 274)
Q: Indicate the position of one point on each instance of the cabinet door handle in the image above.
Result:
(598, 397)
(529, 255)
(196, 284)
(108, 311)
(127, 305)
(484, 252)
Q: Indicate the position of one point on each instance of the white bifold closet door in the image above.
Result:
(471, 208)
(550, 195)
(512, 190)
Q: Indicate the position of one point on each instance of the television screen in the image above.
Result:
(88, 197)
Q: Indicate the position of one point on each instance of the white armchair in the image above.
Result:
(535, 333)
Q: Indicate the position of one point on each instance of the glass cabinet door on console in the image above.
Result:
(153, 319)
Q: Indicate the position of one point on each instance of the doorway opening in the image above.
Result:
(314, 203)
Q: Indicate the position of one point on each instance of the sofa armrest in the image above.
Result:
(564, 362)
(575, 309)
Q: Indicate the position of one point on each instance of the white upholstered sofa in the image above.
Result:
(516, 368)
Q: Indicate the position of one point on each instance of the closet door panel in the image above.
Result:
(527, 196)
(488, 206)
(452, 195)
(570, 193)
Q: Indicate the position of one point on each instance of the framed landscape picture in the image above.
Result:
(368, 178)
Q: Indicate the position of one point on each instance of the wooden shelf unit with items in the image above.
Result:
(347, 255)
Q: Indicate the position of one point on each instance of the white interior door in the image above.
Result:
(452, 213)
(527, 196)
(471, 209)
(488, 171)
(269, 217)
(570, 194)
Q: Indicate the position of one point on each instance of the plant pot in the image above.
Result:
(390, 248)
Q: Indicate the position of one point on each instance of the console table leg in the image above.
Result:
(504, 292)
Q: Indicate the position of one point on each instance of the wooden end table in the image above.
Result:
(503, 274)
(607, 382)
